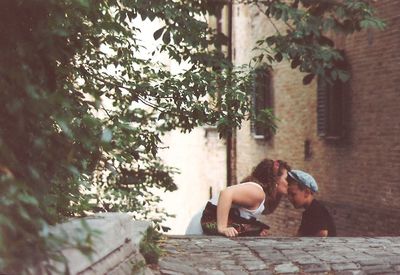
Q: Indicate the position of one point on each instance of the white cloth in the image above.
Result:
(194, 227)
(244, 212)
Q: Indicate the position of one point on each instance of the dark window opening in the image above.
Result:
(330, 109)
(262, 99)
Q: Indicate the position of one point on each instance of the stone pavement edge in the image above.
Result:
(265, 255)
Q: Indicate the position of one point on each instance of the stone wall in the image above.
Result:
(359, 175)
(116, 247)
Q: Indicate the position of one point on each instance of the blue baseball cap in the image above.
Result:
(304, 179)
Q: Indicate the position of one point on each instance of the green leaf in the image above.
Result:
(4, 220)
(343, 76)
(23, 213)
(308, 78)
(157, 34)
(152, 16)
(83, 3)
(278, 57)
(340, 12)
(73, 170)
(372, 23)
(28, 199)
(166, 37)
(278, 14)
(65, 128)
(270, 40)
(295, 63)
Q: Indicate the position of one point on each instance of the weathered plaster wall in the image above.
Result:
(201, 158)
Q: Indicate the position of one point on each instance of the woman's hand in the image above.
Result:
(228, 231)
(246, 195)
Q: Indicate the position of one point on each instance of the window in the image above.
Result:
(262, 99)
(330, 109)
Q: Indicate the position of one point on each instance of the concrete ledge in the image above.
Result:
(116, 248)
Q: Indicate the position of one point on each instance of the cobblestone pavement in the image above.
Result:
(256, 255)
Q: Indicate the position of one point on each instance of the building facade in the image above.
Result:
(357, 168)
(358, 171)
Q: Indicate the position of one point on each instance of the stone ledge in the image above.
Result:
(116, 248)
(196, 254)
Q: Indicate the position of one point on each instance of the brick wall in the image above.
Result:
(359, 176)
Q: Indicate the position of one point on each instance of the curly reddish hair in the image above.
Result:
(266, 174)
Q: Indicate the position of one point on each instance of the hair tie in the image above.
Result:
(276, 167)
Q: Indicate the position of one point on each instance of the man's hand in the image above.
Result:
(228, 231)
(322, 233)
(264, 232)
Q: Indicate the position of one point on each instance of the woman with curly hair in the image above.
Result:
(235, 210)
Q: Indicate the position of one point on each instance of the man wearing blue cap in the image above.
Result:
(316, 220)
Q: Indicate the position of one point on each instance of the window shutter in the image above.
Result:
(330, 109)
(322, 104)
(262, 99)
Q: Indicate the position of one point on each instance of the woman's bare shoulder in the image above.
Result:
(253, 183)
(247, 194)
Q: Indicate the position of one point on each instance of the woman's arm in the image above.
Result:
(246, 195)
(223, 207)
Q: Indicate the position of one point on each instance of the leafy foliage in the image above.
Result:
(149, 247)
(305, 40)
(82, 111)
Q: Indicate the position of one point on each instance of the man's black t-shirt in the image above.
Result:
(315, 218)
